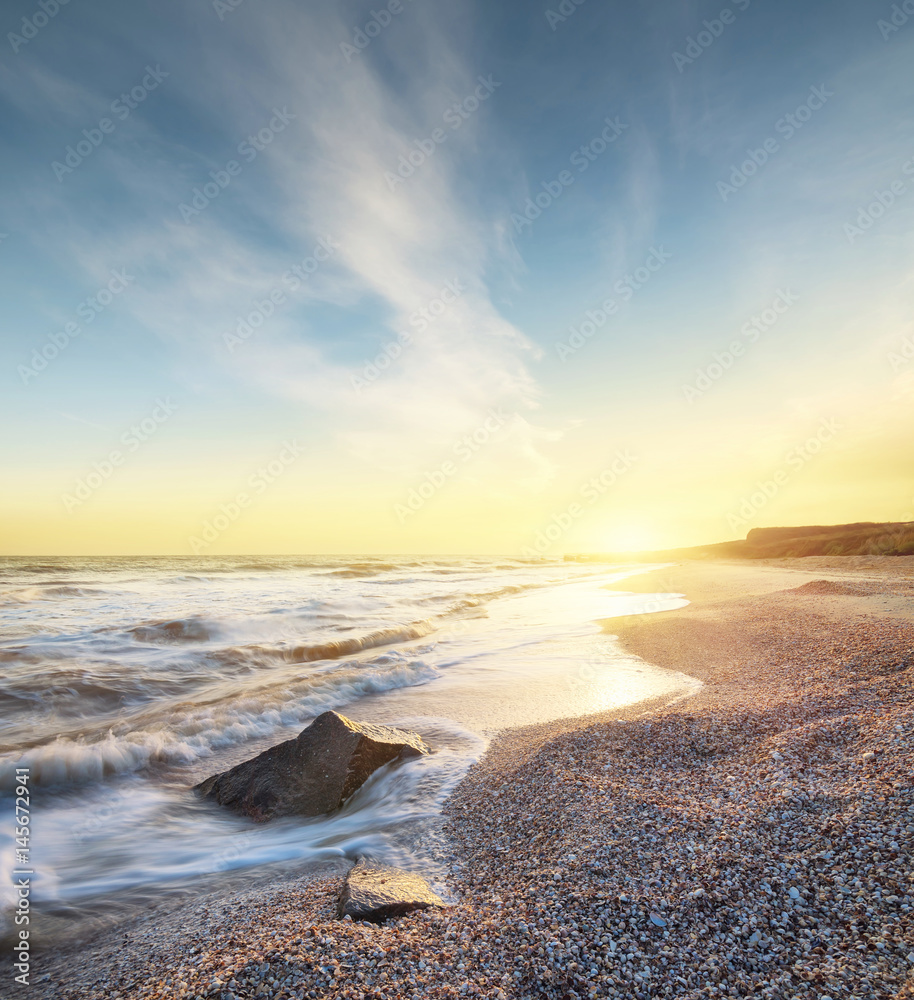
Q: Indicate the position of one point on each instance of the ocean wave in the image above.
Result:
(316, 563)
(331, 650)
(20, 564)
(68, 692)
(360, 569)
(174, 631)
(26, 595)
(450, 606)
(20, 654)
(185, 736)
(464, 605)
(473, 600)
(79, 692)
(511, 588)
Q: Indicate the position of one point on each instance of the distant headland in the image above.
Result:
(863, 538)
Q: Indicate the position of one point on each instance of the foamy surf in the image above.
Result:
(184, 837)
(188, 733)
(335, 648)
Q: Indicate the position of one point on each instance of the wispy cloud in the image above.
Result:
(324, 176)
(402, 245)
(82, 420)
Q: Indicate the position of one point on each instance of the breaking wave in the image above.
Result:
(177, 630)
(332, 650)
(25, 595)
(355, 570)
(190, 732)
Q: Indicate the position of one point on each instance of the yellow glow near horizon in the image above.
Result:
(631, 537)
(712, 484)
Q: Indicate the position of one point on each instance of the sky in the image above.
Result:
(452, 277)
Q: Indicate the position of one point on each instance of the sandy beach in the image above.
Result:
(752, 840)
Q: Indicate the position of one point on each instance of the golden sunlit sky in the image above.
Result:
(492, 281)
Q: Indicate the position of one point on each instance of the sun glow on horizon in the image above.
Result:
(630, 537)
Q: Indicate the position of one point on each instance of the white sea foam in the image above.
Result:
(189, 733)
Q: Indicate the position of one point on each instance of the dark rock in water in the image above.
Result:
(314, 773)
(375, 892)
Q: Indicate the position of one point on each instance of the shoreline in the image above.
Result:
(636, 853)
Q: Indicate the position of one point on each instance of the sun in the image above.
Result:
(630, 537)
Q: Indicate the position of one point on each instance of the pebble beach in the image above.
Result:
(754, 839)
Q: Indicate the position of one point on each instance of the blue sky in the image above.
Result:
(299, 133)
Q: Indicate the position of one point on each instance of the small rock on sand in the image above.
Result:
(375, 892)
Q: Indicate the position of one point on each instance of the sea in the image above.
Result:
(125, 681)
